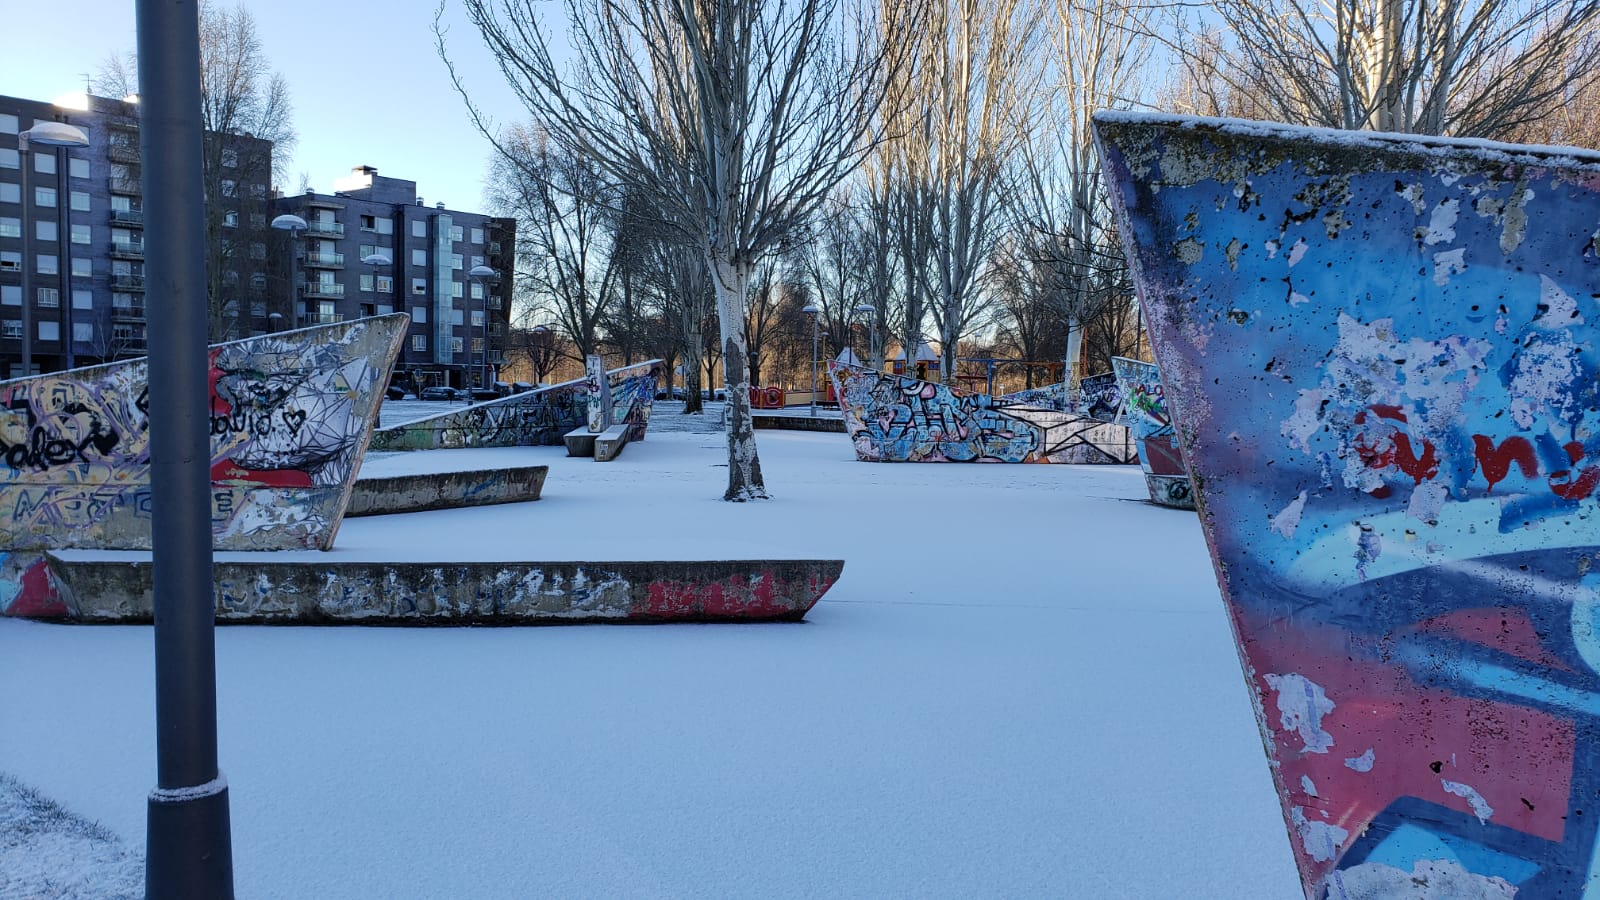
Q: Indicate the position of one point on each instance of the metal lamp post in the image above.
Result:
(812, 310)
(484, 275)
(45, 134)
(379, 261)
(294, 225)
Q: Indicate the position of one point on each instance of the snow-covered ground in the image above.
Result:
(1022, 686)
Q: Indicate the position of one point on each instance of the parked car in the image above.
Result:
(440, 392)
(484, 393)
(520, 387)
(395, 392)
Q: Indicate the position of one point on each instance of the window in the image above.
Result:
(419, 342)
(123, 301)
(82, 299)
(419, 315)
(10, 295)
(10, 261)
(477, 261)
(44, 162)
(455, 263)
(10, 193)
(477, 318)
(258, 220)
(455, 345)
(369, 223)
(386, 226)
(82, 268)
(8, 123)
(230, 188)
(43, 196)
(44, 230)
(80, 201)
(259, 282)
(49, 331)
(78, 168)
(83, 332)
(455, 232)
(477, 235)
(419, 286)
(477, 345)
(457, 317)
(49, 297)
(385, 284)
(230, 158)
(10, 159)
(230, 219)
(230, 278)
(419, 228)
(10, 228)
(477, 291)
(455, 289)
(258, 250)
(419, 258)
(120, 203)
(366, 282)
(11, 328)
(47, 264)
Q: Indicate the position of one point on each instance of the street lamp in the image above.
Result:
(483, 275)
(379, 261)
(811, 309)
(45, 134)
(294, 225)
(872, 328)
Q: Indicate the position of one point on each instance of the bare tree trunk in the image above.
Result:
(744, 465)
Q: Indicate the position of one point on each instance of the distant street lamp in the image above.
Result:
(484, 276)
(812, 310)
(45, 134)
(872, 328)
(294, 225)
(276, 318)
(380, 261)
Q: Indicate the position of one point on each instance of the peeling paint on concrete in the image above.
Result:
(1301, 706)
(1480, 807)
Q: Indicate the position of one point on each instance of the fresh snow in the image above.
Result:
(1023, 685)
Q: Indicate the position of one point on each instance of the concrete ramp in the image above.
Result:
(98, 590)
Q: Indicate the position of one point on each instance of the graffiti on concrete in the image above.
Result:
(531, 419)
(418, 593)
(1144, 410)
(1382, 350)
(290, 417)
(892, 418)
(1096, 397)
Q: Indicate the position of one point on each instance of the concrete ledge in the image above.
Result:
(799, 423)
(608, 444)
(580, 441)
(445, 490)
(104, 591)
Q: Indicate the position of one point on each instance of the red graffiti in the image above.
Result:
(1381, 444)
(1496, 461)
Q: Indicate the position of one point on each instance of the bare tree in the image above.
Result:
(764, 106)
(1479, 68)
(566, 208)
(246, 114)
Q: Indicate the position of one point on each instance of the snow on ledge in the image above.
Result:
(1422, 144)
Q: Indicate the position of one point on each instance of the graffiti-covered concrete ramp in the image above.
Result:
(1380, 356)
(291, 414)
(534, 418)
(891, 418)
(1143, 409)
(99, 590)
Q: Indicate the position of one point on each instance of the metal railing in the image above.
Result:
(324, 229)
(321, 319)
(325, 260)
(127, 217)
(319, 289)
(127, 282)
(128, 248)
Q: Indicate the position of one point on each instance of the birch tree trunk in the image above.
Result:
(744, 464)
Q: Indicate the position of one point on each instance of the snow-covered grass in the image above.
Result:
(1022, 686)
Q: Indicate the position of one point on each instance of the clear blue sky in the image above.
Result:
(391, 107)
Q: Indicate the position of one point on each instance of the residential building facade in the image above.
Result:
(459, 322)
(80, 235)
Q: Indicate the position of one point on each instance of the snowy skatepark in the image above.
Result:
(987, 703)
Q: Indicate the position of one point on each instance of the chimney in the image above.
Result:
(419, 201)
(438, 206)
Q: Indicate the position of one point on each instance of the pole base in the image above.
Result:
(189, 850)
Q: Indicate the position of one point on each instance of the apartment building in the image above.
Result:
(373, 247)
(79, 236)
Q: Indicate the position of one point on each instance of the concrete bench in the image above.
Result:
(603, 446)
(445, 490)
(609, 443)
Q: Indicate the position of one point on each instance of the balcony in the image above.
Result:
(127, 282)
(494, 248)
(322, 289)
(494, 302)
(125, 153)
(324, 229)
(128, 217)
(127, 249)
(325, 260)
(127, 313)
(321, 319)
(126, 186)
